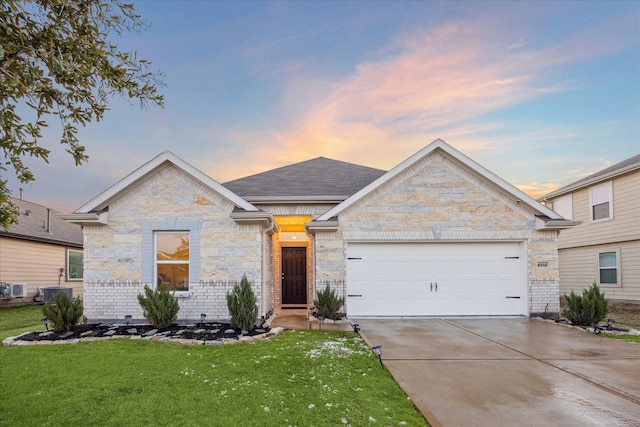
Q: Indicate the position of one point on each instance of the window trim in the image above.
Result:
(67, 269)
(618, 283)
(609, 185)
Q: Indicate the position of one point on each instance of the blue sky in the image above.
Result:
(540, 93)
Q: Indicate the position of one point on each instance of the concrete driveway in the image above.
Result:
(510, 372)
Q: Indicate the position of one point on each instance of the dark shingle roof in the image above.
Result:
(32, 225)
(612, 170)
(319, 177)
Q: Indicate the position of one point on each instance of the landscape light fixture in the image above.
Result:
(320, 321)
(127, 318)
(377, 350)
(356, 327)
(45, 322)
(202, 316)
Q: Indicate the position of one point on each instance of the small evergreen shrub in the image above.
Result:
(588, 309)
(242, 306)
(160, 307)
(328, 304)
(65, 314)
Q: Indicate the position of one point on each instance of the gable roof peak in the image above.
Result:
(439, 144)
(103, 200)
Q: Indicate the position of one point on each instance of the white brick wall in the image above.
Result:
(112, 300)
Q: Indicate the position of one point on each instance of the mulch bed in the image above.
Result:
(199, 331)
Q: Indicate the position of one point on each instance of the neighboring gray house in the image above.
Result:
(33, 252)
(437, 235)
(605, 247)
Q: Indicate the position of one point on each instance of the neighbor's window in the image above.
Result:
(608, 268)
(601, 201)
(75, 264)
(172, 259)
(564, 206)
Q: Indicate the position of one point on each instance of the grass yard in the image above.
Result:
(304, 378)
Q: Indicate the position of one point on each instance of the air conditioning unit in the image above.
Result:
(17, 290)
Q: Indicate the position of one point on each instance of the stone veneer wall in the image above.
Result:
(117, 255)
(439, 200)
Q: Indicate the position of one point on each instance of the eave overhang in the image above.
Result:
(86, 218)
(314, 226)
(289, 200)
(589, 182)
(265, 219)
(545, 223)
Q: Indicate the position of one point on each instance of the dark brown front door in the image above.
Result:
(294, 275)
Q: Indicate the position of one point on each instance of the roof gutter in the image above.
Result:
(264, 200)
(586, 183)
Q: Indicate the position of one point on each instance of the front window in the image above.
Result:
(608, 268)
(75, 264)
(601, 201)
(172, 259)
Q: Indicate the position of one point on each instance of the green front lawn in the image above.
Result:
(16, 320)
(299, 378)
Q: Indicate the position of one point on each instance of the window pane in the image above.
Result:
(601, 211)
(564, 206)
(608, 259)
(609, 275)
(176, 276)
(173, 247)
(600, 193)
(75, 268)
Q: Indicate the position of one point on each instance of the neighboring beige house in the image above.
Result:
(438, 235)
(33, 252)
(605, 247)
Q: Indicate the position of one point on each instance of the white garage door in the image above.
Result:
(436, 279)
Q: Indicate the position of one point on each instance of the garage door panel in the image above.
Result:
(435, 279)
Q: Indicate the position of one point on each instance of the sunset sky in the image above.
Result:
(540, 93)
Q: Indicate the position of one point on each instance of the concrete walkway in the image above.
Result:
(300, 320)
(510, 372)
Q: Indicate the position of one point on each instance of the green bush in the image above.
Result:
(160, 307)
(242, 306)
(588, 309)
(327, 304)
(65, 314)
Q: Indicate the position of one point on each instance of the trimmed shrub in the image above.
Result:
(588, 309)
(65, 314)
(160, 307)
(327, 304)
(242, 305)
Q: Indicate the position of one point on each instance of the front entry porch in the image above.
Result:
(292, 265)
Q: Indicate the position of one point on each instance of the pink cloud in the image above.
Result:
(426, 85)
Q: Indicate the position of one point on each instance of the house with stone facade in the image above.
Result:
(438, 235)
